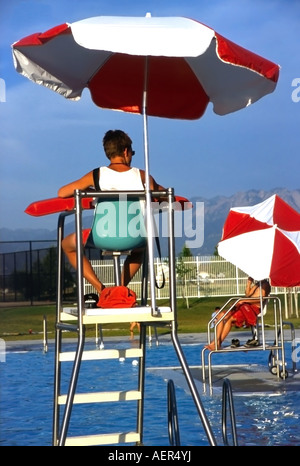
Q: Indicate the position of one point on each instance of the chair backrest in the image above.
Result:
(119, 225)
(264, 308)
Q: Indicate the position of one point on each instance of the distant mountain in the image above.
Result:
(20, 239)
(215, 212)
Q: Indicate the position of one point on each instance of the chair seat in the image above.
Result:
(118, 225)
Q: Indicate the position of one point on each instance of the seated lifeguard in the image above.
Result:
(117, 176)
(245, 312)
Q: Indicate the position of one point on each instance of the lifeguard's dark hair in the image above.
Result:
(115, 142)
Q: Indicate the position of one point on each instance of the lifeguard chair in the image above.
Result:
(76, 318)
(276, 347)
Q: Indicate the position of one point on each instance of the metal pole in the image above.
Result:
(99, 336)
(286, 304)
(58, 335)
(3, 288)
(296, 302)
(31, 273)
(172, 261)
(149, 217)
(80, 327)
(15, 275)
(173, 425)
(45, 334)
(141, 384)
(262, 318)
(227, 395)
(175, 340)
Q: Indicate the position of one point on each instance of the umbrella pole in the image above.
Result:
(262, 318)
(149, 217)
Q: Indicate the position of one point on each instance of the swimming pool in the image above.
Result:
(27, 392)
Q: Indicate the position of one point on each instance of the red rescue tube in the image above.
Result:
(55, 205)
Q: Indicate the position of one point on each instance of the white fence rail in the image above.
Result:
(197, 277)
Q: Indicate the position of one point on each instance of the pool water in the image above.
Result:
(26, 400)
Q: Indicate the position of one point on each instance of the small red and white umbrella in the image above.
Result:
(264, 241)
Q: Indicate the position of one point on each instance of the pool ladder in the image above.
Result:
(227, 407)
(71, 398)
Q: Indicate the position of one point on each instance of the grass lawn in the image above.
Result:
(26, 322)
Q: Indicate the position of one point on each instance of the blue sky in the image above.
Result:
(47, 141)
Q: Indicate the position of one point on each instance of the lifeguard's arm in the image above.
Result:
(156, 186)
(181, 202)
(87, 181)
(249, 286)
(255, 294)
(153, 186)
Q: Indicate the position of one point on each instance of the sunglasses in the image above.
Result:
(132, 151)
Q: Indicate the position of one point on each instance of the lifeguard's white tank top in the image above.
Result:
(111, 180)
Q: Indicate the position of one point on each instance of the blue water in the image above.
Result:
(27, 397)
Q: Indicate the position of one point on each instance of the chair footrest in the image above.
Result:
(102, 354)
(106, 316)
(103, 439)
(103, 397)
(99, 311)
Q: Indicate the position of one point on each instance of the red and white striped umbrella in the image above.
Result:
(188, 65)
(168, 67)
(264, 241)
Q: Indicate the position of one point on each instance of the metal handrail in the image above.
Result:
(293, 337)
(173, 426)
(227, 402)
(271, 355)
(45, 334)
